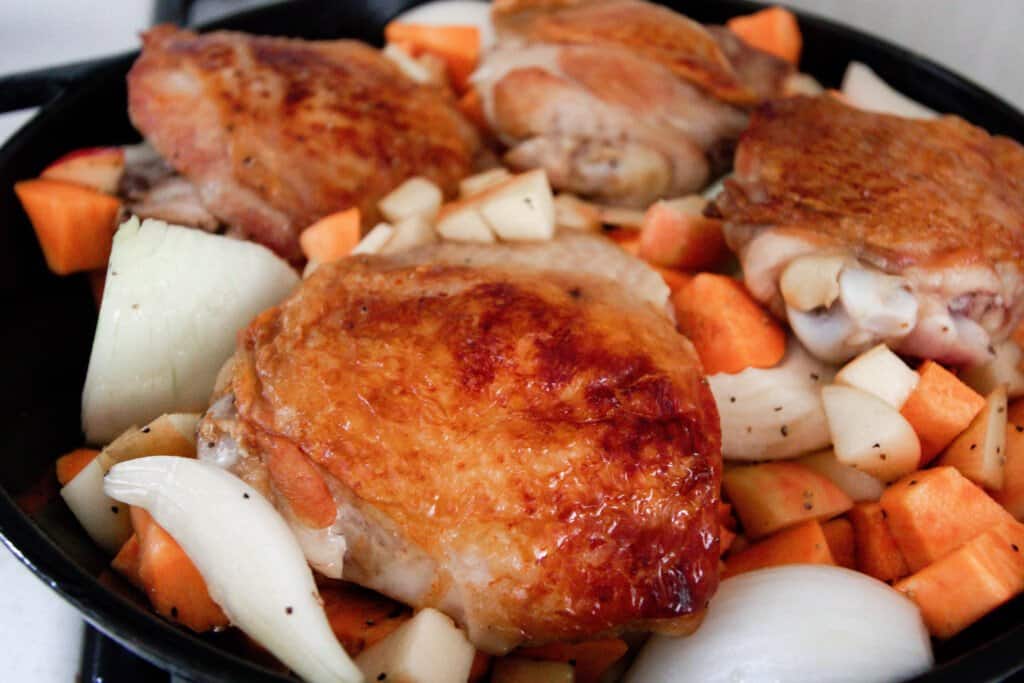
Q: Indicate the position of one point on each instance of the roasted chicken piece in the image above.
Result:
(622, 101)
(277, 133)
(535, 453)
(862, 227)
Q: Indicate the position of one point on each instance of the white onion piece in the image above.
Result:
(454, 12)
(866, 90)
(773, 413)
(246, 554)
(796, 623)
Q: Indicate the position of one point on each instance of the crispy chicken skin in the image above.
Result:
(535, 453)
(924, 218)
(277, 133)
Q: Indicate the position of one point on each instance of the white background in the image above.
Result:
(39, 635)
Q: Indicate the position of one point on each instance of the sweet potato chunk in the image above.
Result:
(839, 535)
(801, 544)
(939, 408)
(589, 659)
(876, 551)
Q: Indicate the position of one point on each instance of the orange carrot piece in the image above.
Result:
(959, 589)
(676, 237)
(75, 225)
(876, 551)
(332, 237)
(173, 584)
(360, 617)
(729, 329)
(472, 107)
(72, 463)
(774, 30)
(933, 512)
(625, 238)
(939, 408)
(1011, 496)
(126, 562)
(839, 535)
(801, 544)
(591, 658)
(458, 46)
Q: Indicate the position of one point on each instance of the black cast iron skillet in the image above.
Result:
(49, 321)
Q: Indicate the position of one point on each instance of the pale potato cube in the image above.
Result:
(521, 209)
(881, 372)
(572, 213)
(461, 222)
(428, 648)
(475, 184)
(411, 232)
(979, 452)
(375, 240)
(415, 197)
(516, 670)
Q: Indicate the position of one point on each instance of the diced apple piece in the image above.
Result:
(521, 209)
(98, 168)
(775, 495)
(1011, 496)
(676, 234)
(175, 300)
(863, 88)
(859, 486)
(869, 434)
(516, 670)
(461, 222)
(428, 648)
(475, 184)
(414, 231)
(881, 372)
(1005, 369)
(812, 281)
(980, 450)
(415, 197)
(572, 213)
(375, 240)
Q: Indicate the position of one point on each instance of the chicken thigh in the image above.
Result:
(535, 453)
(622, 101)
(277, 133)
(862, 227)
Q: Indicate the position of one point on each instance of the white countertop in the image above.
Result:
(40, 636)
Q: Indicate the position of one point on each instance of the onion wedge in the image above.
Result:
(249, 558)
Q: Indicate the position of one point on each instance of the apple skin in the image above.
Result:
(98, 168)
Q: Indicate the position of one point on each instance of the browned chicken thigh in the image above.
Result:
(623, 101)
(862, 227)
(535, 453)
(277, 133)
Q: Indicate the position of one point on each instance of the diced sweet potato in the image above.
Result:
(676, 234)
(589, 659)
(964, 586)
(332, 237)
(774, 495)
(876, 551)
(939, 408)
(774, 30)
(801, 544)
(933, 512)
(126, 562)
(979, 451)
(1011, 496)
(72, 463)
(839, 534)
(360, 617)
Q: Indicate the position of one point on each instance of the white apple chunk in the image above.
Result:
(869, 434)
(415, 197)
(572, 213)
(864, 89)
(979, 452)
(461, 222)
(859, 486)
(522, 209)
(1003, 370)
(428, 648)
(98, 168)
(375, 240)
(411, 232)
(476, 184)
(881, 372)
(174, 301)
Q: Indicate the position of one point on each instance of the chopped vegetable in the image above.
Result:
(475, 184)
(862, 88)
(933, 512)
(964, 586)
(472, 107)
(774, 495)
(1006, 369)
(454, 12)
(1011, 496)
(979, 452)
(676, 234)
(458, 46)
(126, 562)
(521, 208)
(876, 549)
(729, 329)
(802, 544)
(97, 168)
(415, 197)
(774, 30)
(859, 486)
(375, 240)
(572, 213)
(881, 372)
(426, 649)
(939, 408)
(461, 221)
(75, 225)
(332, 237)
(811, 281)
(839, 535)
(516, 670)
(414, 231)
(589, 660)
(359, 617)
(74, 462)
(675, 279)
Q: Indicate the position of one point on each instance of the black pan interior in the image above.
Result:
(45, 343)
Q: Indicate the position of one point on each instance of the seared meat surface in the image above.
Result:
(535, 453)
(276, 133)
(913, 231)
(623, 101)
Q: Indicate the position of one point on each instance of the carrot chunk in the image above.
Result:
(75, 225)
(74, 462)
(360, 617)
(1011, 496)
(939, 408)
(472, 107)
(126, 562)
(590, 659)
(801, 544)
(839, 535)
(675, 234)
(933, 512)
(774, 30)
(875, 549)
(457, 46)
(964, 586)
(728, 328)
(332, 237)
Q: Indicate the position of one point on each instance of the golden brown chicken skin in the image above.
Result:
(536, 454)
(277, 133)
